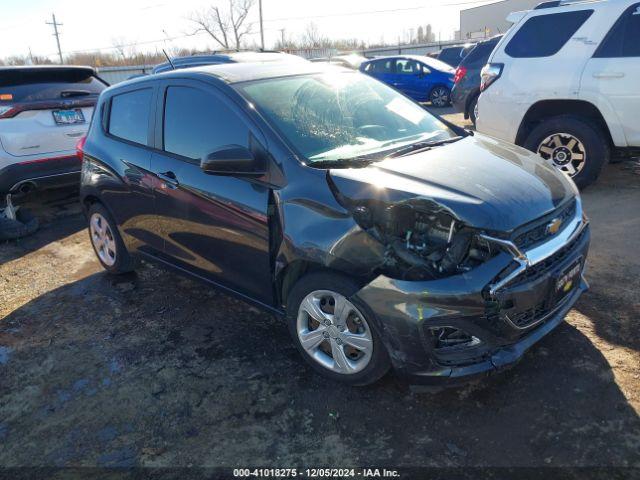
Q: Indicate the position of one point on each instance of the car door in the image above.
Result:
(612, 76)
(213, 225)
(410, 78)
(383, 70)
(128, 123)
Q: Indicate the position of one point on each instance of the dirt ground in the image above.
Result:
(157, 370)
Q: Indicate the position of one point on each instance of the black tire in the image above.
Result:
(472, 110)
(379, 362)
(440, 96)
(594, 140)
(124, 262)
(24, 224)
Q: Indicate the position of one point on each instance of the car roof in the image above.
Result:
(231, 73)
(245, 72)
(230, 57)
(429, 61)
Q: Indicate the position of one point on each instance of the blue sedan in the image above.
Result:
(419, 77)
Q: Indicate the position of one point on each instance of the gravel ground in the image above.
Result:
(157, 370)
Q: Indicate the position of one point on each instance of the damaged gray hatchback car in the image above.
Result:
(385, 236)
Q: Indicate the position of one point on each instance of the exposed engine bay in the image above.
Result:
(421, 242)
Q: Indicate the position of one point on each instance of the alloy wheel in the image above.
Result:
(334, 333)
(440, 97)
(566, 151)
(103, 239)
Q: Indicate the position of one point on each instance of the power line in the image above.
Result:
(133, 44)
(306, 17)
(56, 34)
(369, 12)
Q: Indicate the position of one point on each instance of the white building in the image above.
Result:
(489, 20)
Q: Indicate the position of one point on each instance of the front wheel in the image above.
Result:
(440, 97)
(332, 333)
(575, 146)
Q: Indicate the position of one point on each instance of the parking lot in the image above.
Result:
(153, 369)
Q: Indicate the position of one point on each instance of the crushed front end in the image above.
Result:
(455, 302)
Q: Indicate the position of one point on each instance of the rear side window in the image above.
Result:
(451, 55)
(25, 85)
(129, 116)
(197, 122)
(407, 67)
(545, 35)
(481, 52)
(381, 66)
(624, 38)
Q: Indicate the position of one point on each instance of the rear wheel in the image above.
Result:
(473, 110)
(332, 333)
(107, 243)
(575, 146)
(440, 96)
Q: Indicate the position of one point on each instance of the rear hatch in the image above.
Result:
(45, 110)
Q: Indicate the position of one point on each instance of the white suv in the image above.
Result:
(44, 112)
(565, 82)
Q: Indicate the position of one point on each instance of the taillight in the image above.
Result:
(7, 111)
(489, 74)
(80, 147)
(460, 74)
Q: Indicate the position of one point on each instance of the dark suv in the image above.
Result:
(466, 89)
(384, 236)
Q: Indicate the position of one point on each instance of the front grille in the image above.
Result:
(549, 263)
(530, 316)
(524, 318)
(536, 232)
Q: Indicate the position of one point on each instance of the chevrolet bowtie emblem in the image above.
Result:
(554, 226)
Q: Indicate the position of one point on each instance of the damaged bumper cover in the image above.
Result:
(498, 320)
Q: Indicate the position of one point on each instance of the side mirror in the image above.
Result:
(232, 160)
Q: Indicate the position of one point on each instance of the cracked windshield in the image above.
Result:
(342, 116)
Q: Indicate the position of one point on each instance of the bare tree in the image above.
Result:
(226, 26)
(312, 38)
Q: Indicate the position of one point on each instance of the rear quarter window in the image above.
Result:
(450, 55)
(480, 53)
(623, 41)
(545, 35)
(129, 116)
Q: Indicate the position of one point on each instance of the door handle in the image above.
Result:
(169, 178)
(608, 75)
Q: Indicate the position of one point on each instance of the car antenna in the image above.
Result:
(173, 67)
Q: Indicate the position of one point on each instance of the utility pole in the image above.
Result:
(282, 38)
(56, 34)
(261, 28)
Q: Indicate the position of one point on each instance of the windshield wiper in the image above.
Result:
(422, 146)
(342, 162)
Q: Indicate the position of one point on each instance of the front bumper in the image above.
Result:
(406, 312)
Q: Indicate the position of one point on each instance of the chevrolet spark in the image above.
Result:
(385, 237)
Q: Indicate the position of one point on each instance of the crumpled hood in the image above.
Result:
(484, 182)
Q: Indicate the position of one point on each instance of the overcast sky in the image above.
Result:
(90, 25)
